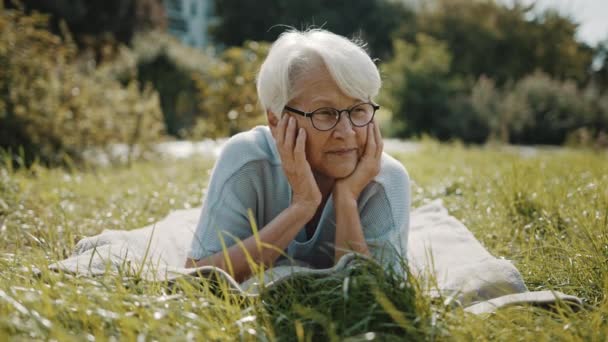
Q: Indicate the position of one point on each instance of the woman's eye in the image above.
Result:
(325, 112)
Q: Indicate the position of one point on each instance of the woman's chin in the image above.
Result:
(341, 171)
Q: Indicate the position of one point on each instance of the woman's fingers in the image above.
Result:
(290, 135)
(300, 149)
(280, 134)
(302, 182)
(370, 146)
(379, 141)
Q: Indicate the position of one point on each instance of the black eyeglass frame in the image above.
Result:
(348, 110)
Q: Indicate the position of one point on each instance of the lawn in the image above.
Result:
(546, 210)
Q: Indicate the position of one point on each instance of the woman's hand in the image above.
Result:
(291, 143)
(367, 168)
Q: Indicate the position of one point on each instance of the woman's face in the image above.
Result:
(334, 153)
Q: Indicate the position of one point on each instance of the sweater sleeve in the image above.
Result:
(224, 216)
(385, 219)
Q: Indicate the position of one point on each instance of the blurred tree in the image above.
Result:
(55, 106)
(422, 95)
(504, 43)
(558, 53)
(202, 95)
(176, 90)
(173, 70)
(596, 100)
(227, 92)
(478, 70)
(502, 110)
(373, 21)
(485, 99)
(553, 109)
(540, 110)
(95, 22)
(600, 75)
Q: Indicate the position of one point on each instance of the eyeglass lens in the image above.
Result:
(327, 118)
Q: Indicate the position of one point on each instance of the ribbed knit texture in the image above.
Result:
(248, 175)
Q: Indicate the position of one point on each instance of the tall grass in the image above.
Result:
(548, 212)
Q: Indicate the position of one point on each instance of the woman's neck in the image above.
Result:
(326, 184)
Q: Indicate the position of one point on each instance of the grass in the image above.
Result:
(547, 212)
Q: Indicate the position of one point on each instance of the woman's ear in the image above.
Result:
(272, 119)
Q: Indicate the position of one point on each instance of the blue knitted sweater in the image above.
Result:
(248, 175)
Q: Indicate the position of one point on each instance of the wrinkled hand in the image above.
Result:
(291, 143)
(367, 168)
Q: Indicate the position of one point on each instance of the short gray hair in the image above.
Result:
(295, 53)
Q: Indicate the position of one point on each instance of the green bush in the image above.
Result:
(550, 110)
(172, 69)
(537, 110)
(540, 110)
(503, 41)
(595, 134)
(227, 92)
(502, 111)
(423, 97)
(202, 94)
(55, 104)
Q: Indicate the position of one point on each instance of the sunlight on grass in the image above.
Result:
(547, 212)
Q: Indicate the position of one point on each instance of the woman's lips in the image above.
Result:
(343, 152)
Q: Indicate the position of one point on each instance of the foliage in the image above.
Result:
(422, 95)
(173, 69)
(324, 315)
(503, 111)
(597, 100)
(504, 42)
(227, 92)
(482, 70)
(541, 110)
(55, 106)
(101, 21)
(523, 205)
(202, 95)
(373, 21)
(81, 105)
(425, 97)
(550, 109)
(600, 75)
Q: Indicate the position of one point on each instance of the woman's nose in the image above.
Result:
(344, 126)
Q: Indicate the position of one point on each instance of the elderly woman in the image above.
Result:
(315, 179)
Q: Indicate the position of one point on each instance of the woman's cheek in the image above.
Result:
(362, 140)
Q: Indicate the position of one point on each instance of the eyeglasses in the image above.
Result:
(326, 118)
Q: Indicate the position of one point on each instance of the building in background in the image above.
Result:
(189, 19)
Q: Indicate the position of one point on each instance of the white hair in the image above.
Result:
(297, 53)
